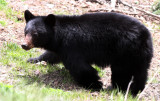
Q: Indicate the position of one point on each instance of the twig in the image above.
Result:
(96, 1)
(140, 95)
(115, 10)
(129, 85)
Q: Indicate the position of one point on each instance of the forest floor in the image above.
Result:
(13, 31)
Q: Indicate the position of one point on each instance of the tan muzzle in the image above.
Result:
(28, 42)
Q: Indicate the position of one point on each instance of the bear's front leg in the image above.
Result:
(83, 73)
(49, 57)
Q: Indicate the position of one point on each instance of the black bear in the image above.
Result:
(103, 39)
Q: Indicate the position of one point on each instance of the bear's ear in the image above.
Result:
(28, 15)
(50, 20)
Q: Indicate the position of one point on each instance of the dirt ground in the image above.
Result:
(14, 32)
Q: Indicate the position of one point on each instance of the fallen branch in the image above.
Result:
(129, 85)
(157, 17)
(126, 4)
(111, 10)
(146, 12)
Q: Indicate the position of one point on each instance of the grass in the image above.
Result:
(3, 23)
(13, 55)
(35, 92)
(9, 12)
(26, 89)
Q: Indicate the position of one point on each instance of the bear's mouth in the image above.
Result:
(26, 47)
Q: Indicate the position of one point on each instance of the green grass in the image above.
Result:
(13, 55)
(42, 93)
(8, 11)
(3, 3)
(28, 87)
(100, 71)
(36, 92)
(3, 23)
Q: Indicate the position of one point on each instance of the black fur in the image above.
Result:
(99, 38)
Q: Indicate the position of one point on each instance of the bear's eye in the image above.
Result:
(35, 33)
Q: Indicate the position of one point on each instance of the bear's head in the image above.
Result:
(38, 30)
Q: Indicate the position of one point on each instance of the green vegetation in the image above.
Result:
(3, 23)
(100, 71)
(9, 12)
(3, 3)
(12, 53)
(29, 89)
(156, 7)
(36, 92)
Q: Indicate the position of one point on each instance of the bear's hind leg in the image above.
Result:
(122, 76)
(139, 81)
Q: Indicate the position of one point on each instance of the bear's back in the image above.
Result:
(102, 34)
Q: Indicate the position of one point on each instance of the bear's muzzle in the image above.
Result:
(28, 42)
